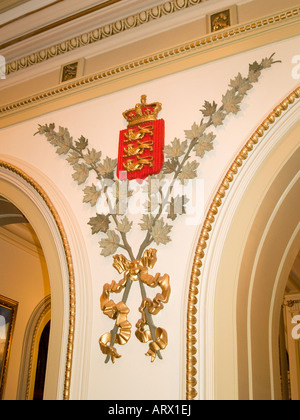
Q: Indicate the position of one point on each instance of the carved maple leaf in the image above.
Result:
(240, 84)
(99, 223)
(92, 156)
(178, 164)
(91, 195)
(218, 117)
(81, 173)
(175, 149)
(231, 101)
(170, 166)
(81, 143)
(124, 226)
(110, 244)
(195, 132)
(61, 140)
(189, 171)
(160, 232)
(147, 221)
(205, 144)
(107, 167)
(253, 76)
(209, 109)
(73, 157)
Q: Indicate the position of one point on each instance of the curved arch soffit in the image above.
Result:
(24, 185)
(192, 346)
(39, 318)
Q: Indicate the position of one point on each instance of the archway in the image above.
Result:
(289, 338)
(267, 260)
(36, 324)
(246, 249)
(261, 241)
(24, 277)
(35, 205)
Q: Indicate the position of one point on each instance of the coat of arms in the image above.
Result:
(141, 155)
(141, 144)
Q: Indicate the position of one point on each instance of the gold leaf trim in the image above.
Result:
(46, 309)
(136, 270)
(191, 337)
(72, 302)
(137, 20)
(101, 33)
(54, 24)
(139, 64)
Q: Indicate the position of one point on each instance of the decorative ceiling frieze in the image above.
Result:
(288, 19)
(96, 35)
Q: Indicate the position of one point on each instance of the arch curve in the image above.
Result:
(26, 194)
(266, 168)
(39, 318)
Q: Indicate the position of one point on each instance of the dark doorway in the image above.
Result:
(41, 364)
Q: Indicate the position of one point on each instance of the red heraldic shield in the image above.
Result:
(141, 145)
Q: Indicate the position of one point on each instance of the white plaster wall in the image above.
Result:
(182, 95)
(23, 278)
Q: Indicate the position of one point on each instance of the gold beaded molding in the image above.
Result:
(46, 309)
(162, 57)
(140, 19)
(72, 303)
(191, 349)
(101, 33)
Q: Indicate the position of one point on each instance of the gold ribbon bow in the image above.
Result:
(117, 311)
(133, 271)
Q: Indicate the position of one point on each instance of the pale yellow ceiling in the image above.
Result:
(9, 213)
(14, 10)
(6, 5)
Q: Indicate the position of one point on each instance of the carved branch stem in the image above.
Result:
(114, 331)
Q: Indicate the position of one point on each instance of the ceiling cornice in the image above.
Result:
(7, 5)
(122, 24)
(9, 213)
(21, 237)
(272, 28)
(55, 24)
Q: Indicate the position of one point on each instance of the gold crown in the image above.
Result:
(142, 112)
